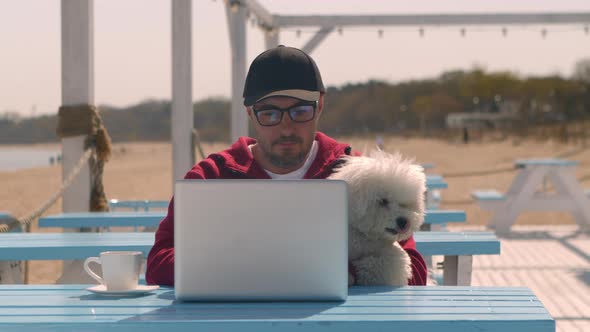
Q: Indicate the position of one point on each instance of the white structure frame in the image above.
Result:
(182, 87)
(78, 64)
(272, 24)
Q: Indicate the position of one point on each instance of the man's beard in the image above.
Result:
(285, 161)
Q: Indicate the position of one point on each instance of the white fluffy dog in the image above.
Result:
(386, 205)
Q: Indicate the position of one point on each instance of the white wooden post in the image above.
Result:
(77, 70)
(236, 19)
(182, 104)
(317, 39)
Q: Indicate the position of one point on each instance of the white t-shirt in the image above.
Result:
(297, 174)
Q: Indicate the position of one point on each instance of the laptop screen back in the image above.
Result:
(261, 240)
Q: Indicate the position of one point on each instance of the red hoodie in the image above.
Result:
(237, 163)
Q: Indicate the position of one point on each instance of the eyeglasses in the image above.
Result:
(270, 115)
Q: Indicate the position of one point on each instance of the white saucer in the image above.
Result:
(141, 289)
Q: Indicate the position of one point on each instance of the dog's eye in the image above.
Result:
(383, 202)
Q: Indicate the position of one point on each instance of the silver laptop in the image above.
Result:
(261, 240)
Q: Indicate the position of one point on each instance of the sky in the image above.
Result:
(133, 47)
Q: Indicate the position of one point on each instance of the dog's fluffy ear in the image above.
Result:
(350, 169)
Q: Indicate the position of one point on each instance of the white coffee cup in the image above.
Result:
(120, 269)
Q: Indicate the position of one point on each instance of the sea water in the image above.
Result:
(14, 158)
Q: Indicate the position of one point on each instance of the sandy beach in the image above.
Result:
(143, 171)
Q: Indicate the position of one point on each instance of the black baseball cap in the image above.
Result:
(283, 71)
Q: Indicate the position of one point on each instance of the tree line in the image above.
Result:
(406, 108)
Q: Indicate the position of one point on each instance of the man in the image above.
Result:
(284, 99)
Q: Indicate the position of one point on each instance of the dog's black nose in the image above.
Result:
(401, 222)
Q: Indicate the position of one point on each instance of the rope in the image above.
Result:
(511, 169)
(76, 120)
(478, 173)
(197, 141)
(571, 153)
(27, 220)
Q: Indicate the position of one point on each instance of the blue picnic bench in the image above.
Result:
(457, 247)
(6, 217)
(137, 205)
(435, 182)
(435, 217)
(27, 308)
(427, 165)
(11, 271)
(153, 218)
(523, 195)
(103, 219)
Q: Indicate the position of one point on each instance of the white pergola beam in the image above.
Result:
(260, 12)
(182, 99)
(434, 19)
(317, 39)
(236, 16)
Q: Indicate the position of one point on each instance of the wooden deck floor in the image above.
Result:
(553, 261)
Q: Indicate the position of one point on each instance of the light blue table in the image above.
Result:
(153, 218)
(457, 247)
(27, 308)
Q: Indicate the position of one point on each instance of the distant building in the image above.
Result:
(487, 117)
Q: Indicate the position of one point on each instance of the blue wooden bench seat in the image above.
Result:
(55, 246)
(487, 195)
(435, 219)
(137, 205)
(11, 271)
(457, 247)
(488, 199)
(6, 217)
(27, 308)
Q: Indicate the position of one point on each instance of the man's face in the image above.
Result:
(285, 145)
